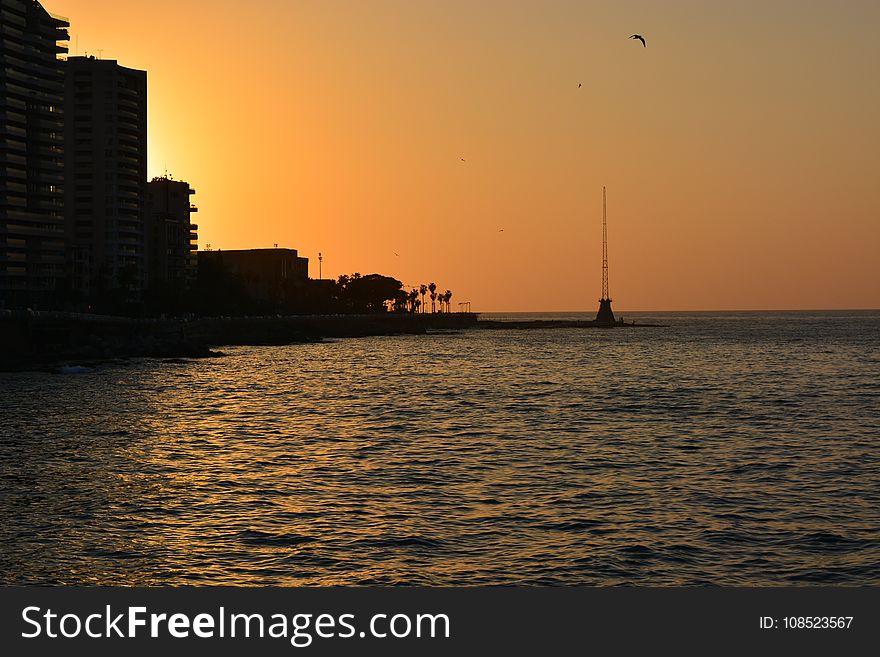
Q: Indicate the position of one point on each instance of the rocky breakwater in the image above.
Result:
(34, 340)
(31, 339)
(310, 328)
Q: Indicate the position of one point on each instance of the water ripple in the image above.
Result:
(729, 449)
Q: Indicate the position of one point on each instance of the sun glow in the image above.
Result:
(741, 162)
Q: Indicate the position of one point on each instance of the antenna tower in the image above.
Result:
(605, 316)
(604, 246)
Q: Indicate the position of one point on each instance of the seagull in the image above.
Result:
(640, 38)
(580, 85)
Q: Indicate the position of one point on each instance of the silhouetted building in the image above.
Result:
(265, 272)
(32, 249)
(106, 171)
(172, 239)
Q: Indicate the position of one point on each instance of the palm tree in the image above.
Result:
(423, 290)
(447, 297)
(413, 298)
(433, 288)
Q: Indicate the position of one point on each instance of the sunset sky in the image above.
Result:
(741, 148)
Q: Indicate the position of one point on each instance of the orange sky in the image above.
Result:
(741, 148)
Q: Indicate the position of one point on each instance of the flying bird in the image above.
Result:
(462, 159)
(580, 85)
(640, 38)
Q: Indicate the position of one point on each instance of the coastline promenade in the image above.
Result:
(43, 340)
(36, 340)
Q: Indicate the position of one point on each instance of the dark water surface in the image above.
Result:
(723, 449)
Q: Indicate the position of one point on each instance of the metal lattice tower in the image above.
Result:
(605, 317)
(604, 246)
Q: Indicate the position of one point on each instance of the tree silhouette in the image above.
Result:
(400, 301)
(433, 288)
(423, 290)
(367, 294)
(413, 298)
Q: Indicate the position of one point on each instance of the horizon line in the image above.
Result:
(722, 310)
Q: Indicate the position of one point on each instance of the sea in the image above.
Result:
(722, 449)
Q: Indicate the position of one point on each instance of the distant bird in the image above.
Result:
(462, 159)
(580, 85)
(640, 38)
(397, 254)
(501, 231)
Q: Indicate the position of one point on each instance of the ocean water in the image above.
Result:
(723, 449)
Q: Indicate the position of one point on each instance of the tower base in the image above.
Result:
(605, 316)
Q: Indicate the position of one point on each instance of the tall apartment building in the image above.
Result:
(172, 239)
(32, 250)
(106, 174)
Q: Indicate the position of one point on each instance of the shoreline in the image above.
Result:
(47, 341)
(492, 324)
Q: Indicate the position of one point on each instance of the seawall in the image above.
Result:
(38, 339)
(556, 324)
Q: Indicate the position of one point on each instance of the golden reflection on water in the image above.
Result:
(693, 455)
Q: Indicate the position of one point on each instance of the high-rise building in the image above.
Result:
(172, 239)
(106, 174)
(32, 249)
